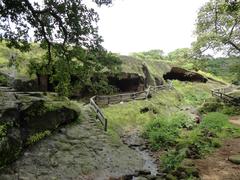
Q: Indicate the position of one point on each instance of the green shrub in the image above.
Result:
(230, 110)
(164, 131)
(214, 105)
(172, 160)
(161, 132)
(211, 106)
(182, 120)
(214, 121)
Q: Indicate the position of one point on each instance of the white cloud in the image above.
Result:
(139, 25)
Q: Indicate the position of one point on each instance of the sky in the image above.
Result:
(140, 25)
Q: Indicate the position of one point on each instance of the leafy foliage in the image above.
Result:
(161, 133)
(218, 27)
(213, 105)
(181, 53)
(154, 54)
(164, 132)
(66, 30)
(172, 160)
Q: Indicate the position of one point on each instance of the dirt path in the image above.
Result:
(217, 166)
(235, 120)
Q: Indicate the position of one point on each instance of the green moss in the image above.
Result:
(37, 109)
(157, 68)
(3, 80)
(37, 137)
(3, 131)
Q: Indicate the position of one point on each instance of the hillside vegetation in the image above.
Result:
(169, 121)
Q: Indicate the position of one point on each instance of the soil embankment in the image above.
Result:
(217, 166)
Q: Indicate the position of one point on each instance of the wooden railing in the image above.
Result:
(99, 114)
(97, 101)
(115, 99)
(221, 93)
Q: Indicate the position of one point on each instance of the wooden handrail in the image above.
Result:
(119, 98)
(99, 113)
(221, 93)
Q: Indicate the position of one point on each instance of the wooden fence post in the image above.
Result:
(105, 125)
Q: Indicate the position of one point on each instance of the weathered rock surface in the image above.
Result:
(78, 151)
(234, 159)
(18, 83)
(181, 74)
(23, 116)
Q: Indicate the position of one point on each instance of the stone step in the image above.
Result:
(7, 89)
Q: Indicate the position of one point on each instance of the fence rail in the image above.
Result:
(221, 93)
(96, 101)
(99, 114)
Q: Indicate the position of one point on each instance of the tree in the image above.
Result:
(181, 53)
(218, 27)
(67, 30)
(151, 54)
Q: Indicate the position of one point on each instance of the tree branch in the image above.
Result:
(230, 34)
(234, 45)
(39, 21)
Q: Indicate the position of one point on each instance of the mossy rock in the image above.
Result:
(10, 146)
(3, 80)
(235, 159)
(41, 116)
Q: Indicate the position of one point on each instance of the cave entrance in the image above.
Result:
(128, 84)
(181, 74)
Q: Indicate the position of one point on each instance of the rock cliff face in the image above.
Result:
(27, 117)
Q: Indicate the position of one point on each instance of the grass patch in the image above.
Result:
(37, 137)
(129, 115)
(193, 93)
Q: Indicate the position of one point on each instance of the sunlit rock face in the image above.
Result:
(181, 74)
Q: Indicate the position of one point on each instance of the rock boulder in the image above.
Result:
(25, 118)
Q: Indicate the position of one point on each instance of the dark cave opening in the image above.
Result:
(181, 74)
(128, 84)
